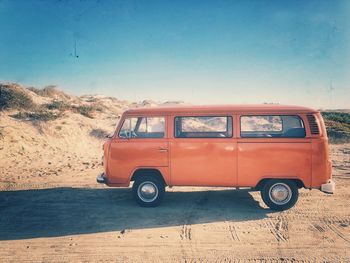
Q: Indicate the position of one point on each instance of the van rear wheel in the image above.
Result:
(280, 194)
(148, 191)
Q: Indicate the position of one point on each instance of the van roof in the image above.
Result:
(220, 108)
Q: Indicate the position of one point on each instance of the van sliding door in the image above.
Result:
(203, 151)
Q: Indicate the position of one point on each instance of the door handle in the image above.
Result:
(162, 149)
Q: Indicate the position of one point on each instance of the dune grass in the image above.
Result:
(337, 125)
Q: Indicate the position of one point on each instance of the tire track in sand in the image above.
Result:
(279, 229)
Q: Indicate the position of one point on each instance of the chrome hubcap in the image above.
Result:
(147, 191)
(280, 193)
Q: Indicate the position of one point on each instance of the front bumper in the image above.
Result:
(101, 178)
(329, 187)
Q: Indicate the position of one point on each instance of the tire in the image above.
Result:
(148, 191)
(279, 195)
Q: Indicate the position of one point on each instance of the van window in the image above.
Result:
(203, 127)
(286, 126)
(143, 127)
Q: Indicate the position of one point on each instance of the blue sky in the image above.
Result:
(204, 52)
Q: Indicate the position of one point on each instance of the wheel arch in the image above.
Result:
(139, 172)
(299, 183)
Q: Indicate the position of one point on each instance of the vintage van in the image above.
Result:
(273, 149)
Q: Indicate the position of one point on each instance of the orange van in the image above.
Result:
(273, 149)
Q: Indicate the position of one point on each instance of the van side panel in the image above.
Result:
(128, 155)
(203, 162)
(321, 162)
(106, 146)
(321, 165)
(273, 158)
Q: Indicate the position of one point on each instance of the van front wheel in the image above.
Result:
(280, 194)
(148, 191)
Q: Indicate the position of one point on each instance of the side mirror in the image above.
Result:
(109, 136)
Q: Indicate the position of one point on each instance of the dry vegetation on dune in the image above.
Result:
(338, 125)
(51, 92)
(14, 97)
(54, 105)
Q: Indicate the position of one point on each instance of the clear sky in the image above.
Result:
(203, 52)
